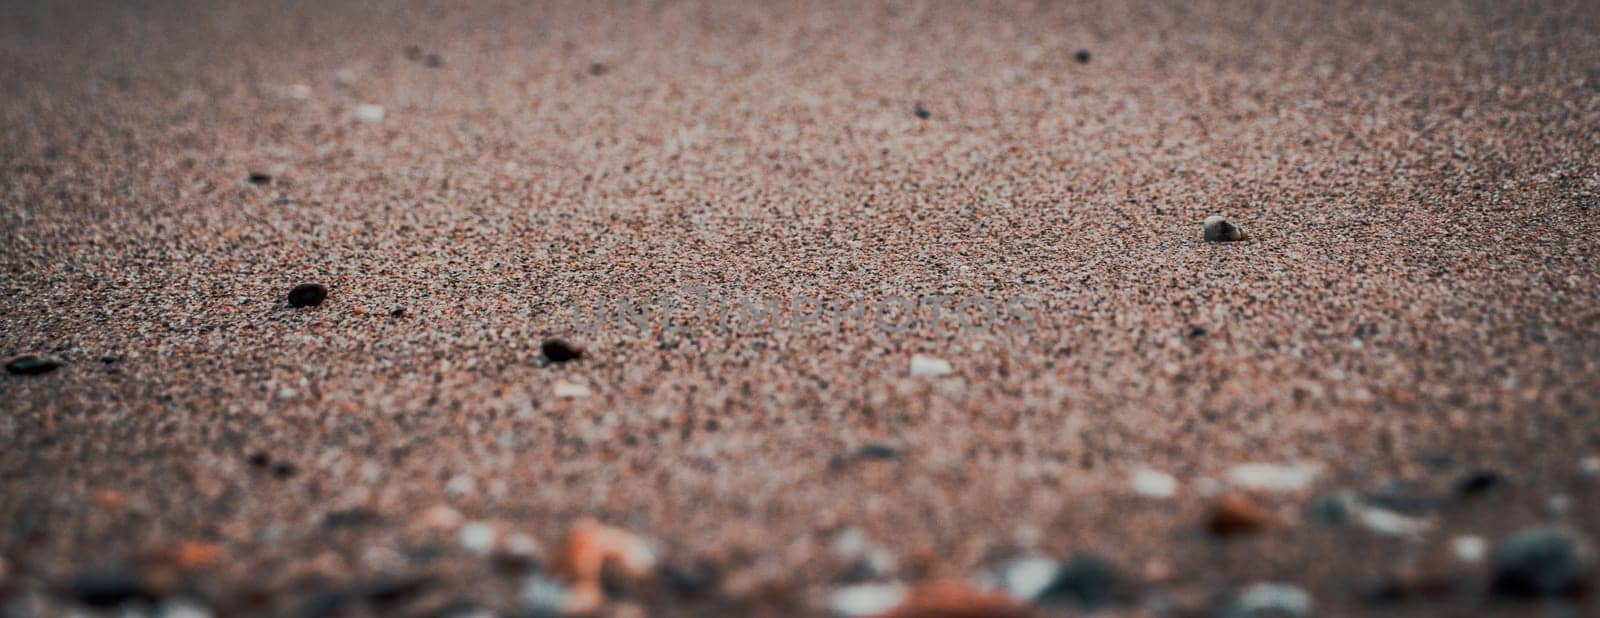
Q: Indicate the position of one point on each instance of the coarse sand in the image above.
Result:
(1406, 341)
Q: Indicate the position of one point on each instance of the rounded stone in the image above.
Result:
(1219, 229)
(307, 295)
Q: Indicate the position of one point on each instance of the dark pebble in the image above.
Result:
(597, 69)
(921, 112)
(1329, 509)
(1476, 483)
(413, 53)
(350, 517)
(1086, 581)
(1082, 56)
(432, 61)
(558, 351)
(878, 451)
(307, 295)
(1540, 562)
(258, 178)
(109, 589)
(689, 582)
(397, 312)
(258, 460)
(282, 469)
(32, 365)
(1197, 332)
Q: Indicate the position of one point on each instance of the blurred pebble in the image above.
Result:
(344, 78)
(873, 450)
(1269, 599)
(928, 366)
(1590, 467)
(569, 390)
(370, 113)
(1084, 581)
(1273, 477)
(1330, 508)
(108, 589)
(432, 61)
(1559, 504)
(32, 365)
(1470, 549)
(1218, 229)
(182, 608)
(1027, 578)
(559, 351)
(282, 469)
(1390, 523)
(542, 596)
(921, 112)
(1081, 56)
(1234, 514)
(597, 69)
(1476, 483)
(1153, 483)
(259, 178)
(867, 599)
(441, 517)
(1539, 562)
(460, 485)
(307, 295)
(477, 537)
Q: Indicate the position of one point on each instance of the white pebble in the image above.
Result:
(370, 113)
(1272, 599)
(1469, 549)
(1390, 523)
(570, 390)
(1274, 477)
(459, 485)
(867, 599)
(1590, 466)
(1026, 578)
(478, 537)
(928, 366)
(1153, 483)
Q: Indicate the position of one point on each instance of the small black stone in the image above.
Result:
(597, 69)
(1329, 509)
(921, 112)
(282, 469)
(258, 460)
(397, 312)
(259, 178)
(307, 295)
(350, 517)
(1476, 483)
(32, 365)
(108, 589)
(432, 61)
(1197, 332)
(878, 451)
(413, 53)
(1082, 56)
(558, 351)
(1086, 581)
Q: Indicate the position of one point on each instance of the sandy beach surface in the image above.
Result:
(1352, 411)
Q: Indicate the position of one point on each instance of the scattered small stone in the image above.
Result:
(1541, 562)
(1025, 579)
(1153, 483)
(432, 61)
(559, 351)
(259, 178)
(258, 459)
(282, 469)
(1084, 581)
(1476, 483)
(597, 69)
(1219, 229)
(1558, 504)
(869, 599)
(344, 78)
(307, 295)
(928, 366)
(460, 485)
(874, 450)
(29, 365)
(1269, 599)
(1590, 467)
(412, 53)
(1234, 514)
(108, 589)
(397, 312)
(543, 596)
(922, 111)
(350, 517)
(370, 113)
(569, 390)
(1274, 477)
(1469, 549)
(1330, 509)
(1082, 56)
(478, 537)
(1390, 523)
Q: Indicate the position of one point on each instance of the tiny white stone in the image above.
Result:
(183, 608)
(520, 544)
(850, 543)
(1153, 483)
(442, 517)
(570, 390)
(1559, 504)
(460, 484)
(867, 599)
(1025, 578)
(370, 113)
(478, 537)
(1390, 523)
(1469, 548)
(344, 78)
(1272, 599)
(928, 366)
(1590, 466)
(1274, 477)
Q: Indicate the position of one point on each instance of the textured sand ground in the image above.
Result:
(1418, 297)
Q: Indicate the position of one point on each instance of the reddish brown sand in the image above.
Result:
(1418, 295)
